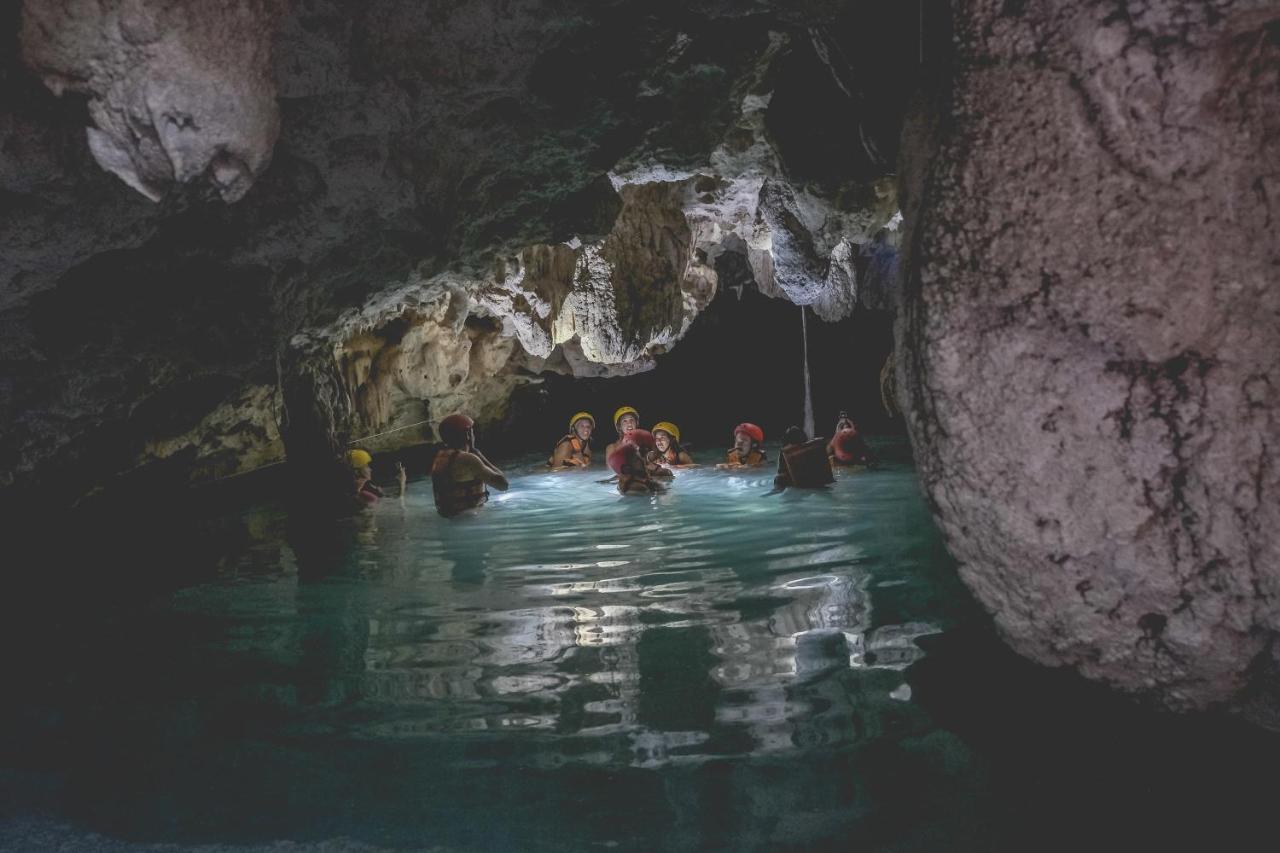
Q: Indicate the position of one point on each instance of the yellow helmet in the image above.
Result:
(625, 410)
(573, 421)
(358, 458)
(669, 428)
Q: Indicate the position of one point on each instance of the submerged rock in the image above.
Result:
(1090, 334)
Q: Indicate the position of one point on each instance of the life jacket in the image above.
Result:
(580, 449)
(806, 464)
(451, 496)
(755, 457)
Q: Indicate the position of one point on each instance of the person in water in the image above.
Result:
(746, 451)
(628, 461)
(574, 449)
(666, 439)
(624, 421)
(460, 472)
(366, 491)
(803, 462)
(847, 446)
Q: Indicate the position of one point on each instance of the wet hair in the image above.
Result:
(794, 435)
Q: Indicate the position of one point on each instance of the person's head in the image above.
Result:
(582, 425)
(362, 474)
(843, 421)
(457, 431)
(746, 437)
(625, 419)
(794, 435)
(665, 436)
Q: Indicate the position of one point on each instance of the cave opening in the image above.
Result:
(742, 359)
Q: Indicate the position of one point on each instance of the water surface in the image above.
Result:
(712, 668)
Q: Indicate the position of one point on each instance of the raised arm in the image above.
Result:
(483, 469)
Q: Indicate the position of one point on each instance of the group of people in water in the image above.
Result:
(641, 460)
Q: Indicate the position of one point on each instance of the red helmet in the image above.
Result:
(641, 438)
(843, 444)
(621, 454)
(757, 434)
(453, 429)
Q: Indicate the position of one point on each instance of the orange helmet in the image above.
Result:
(757, 434)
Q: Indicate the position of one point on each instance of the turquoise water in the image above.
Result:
(712, 668)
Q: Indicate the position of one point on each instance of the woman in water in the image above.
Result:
(625, 419)
(574, 449)
(666, 437)
(635, 474)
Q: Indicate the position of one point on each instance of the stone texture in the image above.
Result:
(178, 92)
(1091, 329)
(565, 174)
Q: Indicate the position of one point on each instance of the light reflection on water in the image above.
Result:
(708, 621)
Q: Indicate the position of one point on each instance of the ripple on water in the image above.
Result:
(713, 620)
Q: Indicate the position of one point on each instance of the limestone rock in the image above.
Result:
(1090, 332)
(178, 92)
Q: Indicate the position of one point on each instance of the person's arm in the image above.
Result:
(685, 458)
(487, 471)
(560, 456)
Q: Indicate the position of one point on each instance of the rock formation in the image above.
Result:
(431, 204)
(177, 92)
(1091, 333)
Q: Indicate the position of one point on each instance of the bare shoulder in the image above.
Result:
(468, 465)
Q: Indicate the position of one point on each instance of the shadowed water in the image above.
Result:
(712, 668)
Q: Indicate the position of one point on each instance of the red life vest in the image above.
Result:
(452, 497)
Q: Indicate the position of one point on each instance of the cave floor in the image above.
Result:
(711, 669)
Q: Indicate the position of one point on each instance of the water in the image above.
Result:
(712, 668)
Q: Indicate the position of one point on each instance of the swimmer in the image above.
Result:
(666, 438)
(574, 449)
(366, 491)
(460, 471)
(847, 447)
(624, 421)
(634, 477)
(746, 452)
(803, 462)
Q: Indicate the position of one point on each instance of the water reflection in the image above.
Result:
(707, 622)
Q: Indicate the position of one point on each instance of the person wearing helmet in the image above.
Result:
(628, 461)
(625, 419)
(666, 438)
(460, 472)
(366, 491)
(574, 449)
(746, 451)
(847, 447)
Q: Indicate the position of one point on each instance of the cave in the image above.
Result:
(260, 256)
